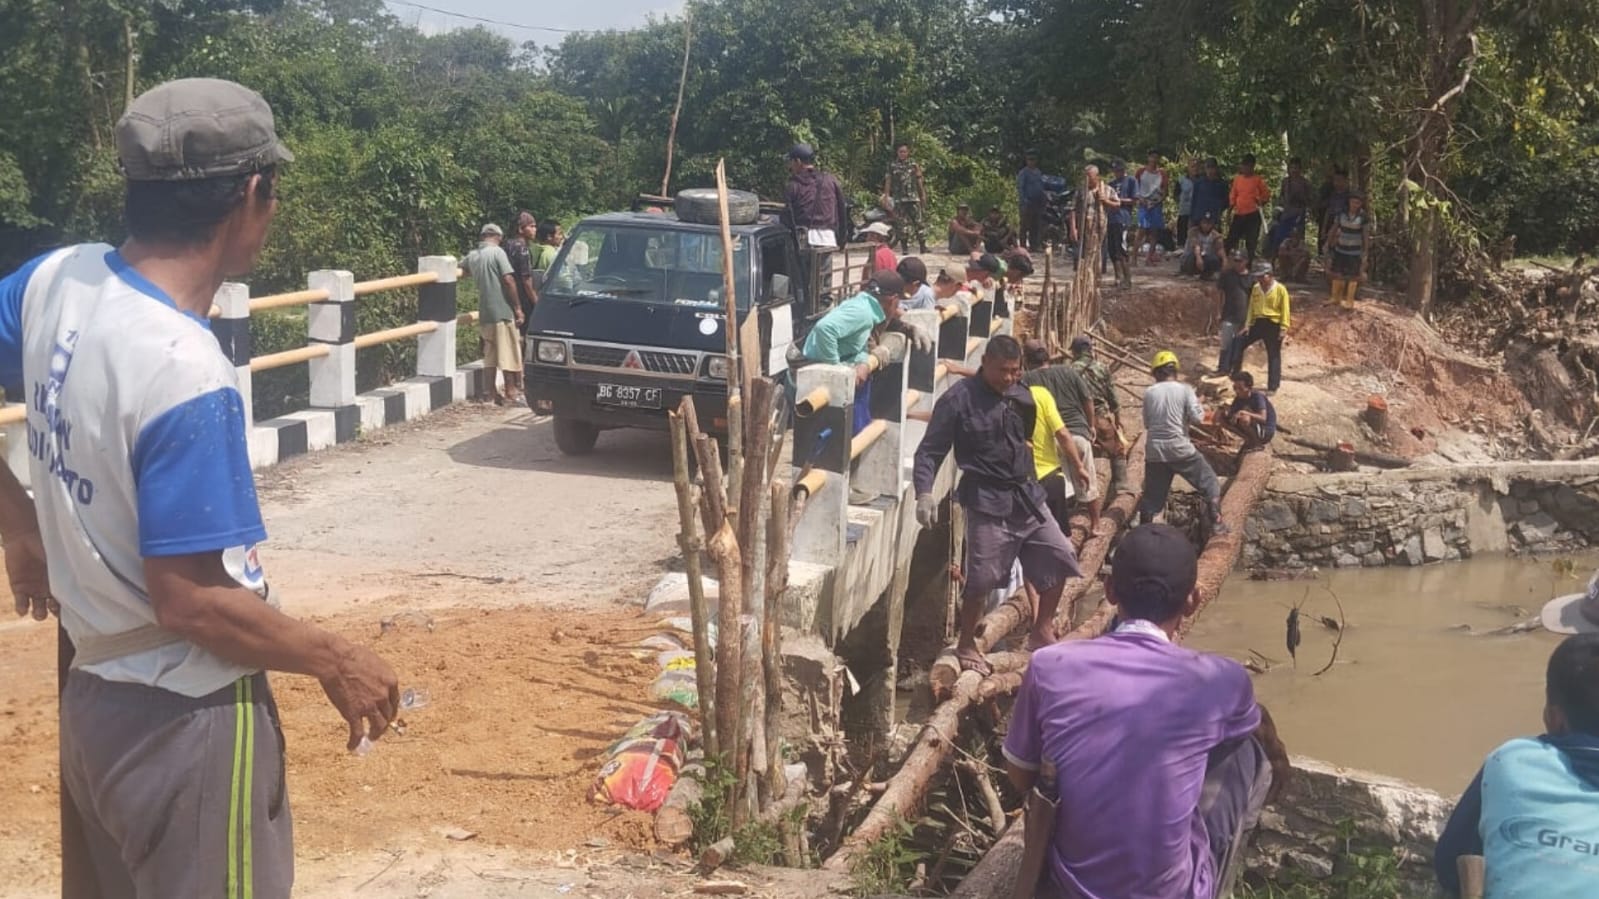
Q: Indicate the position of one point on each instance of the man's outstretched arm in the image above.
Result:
(194, 597)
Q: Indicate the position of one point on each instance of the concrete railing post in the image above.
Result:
(920, 375)
(822, 442)
(232, 330)
(880, 469)
(332, 322)
(952, 335)
(983, 315)
(435, 302)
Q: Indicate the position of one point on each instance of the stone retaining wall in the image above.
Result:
(1412, 517)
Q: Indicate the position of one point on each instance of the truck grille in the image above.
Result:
(598, 356)
(653, 361)
(668, 363)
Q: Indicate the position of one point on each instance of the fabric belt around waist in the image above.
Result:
(97, 649)
(1018, 486)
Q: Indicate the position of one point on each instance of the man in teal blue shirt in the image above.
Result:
(1533, 810)
(842, 336)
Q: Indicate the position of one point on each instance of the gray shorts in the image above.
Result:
(178, 796)
(993, 545)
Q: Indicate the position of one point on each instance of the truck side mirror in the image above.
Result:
(782, 289)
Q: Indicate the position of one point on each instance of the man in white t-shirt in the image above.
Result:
(145, 507)
(1170, 407)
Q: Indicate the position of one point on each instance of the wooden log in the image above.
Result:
(1018, 610)
(1221, 552)
(1120, 514)
(995, 874)
(699, 607)
(753, 488)
(716, 855)
(713, 498)
(777, 556)
(907, 789)
(723, 549)
(994, 877)
(1380, 460)
(674, 826)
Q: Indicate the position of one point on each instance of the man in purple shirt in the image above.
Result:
(988, 421)
(1170, 757)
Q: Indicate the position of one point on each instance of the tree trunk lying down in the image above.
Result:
(908, 788)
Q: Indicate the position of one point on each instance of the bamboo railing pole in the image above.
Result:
(688, 539)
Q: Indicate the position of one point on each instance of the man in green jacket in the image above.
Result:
(843, 335)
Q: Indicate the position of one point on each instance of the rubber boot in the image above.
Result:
(1127, 275)
(1118, 476)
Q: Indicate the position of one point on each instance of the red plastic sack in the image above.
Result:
(643, 765)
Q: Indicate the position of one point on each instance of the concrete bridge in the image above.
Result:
(850, 559)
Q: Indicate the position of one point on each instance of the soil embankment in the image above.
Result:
(1446, 405)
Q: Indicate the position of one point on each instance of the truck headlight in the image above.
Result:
(552, 352)
(716, 368)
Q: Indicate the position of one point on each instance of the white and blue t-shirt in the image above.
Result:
(137, 449)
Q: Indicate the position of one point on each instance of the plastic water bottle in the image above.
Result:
(412, 699)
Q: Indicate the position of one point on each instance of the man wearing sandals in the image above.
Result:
(988, 421)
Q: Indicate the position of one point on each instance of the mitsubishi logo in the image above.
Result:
(633, 361)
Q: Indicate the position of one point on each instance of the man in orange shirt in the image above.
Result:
(1249, 193)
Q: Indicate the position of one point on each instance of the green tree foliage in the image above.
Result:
(1465, 120)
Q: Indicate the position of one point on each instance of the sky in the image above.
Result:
(588, 15)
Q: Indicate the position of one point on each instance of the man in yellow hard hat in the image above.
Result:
(1170, 406)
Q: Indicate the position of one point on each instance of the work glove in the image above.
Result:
(926, 510)
(921, 339)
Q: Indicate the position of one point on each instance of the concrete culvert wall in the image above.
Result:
(1418, 516)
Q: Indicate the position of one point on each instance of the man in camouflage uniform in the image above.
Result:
(1107, 410)
(904, 186)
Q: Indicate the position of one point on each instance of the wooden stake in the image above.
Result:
(688, 539)
(724, 551)
(682, 81)
(777, 555)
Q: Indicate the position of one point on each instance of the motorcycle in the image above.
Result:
(1060, 204)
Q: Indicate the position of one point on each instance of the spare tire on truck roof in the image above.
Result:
(698, 206)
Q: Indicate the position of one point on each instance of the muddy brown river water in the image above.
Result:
(1413, 694)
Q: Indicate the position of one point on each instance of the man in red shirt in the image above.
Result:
(1249, 193)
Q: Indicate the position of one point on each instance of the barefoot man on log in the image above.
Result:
(988, 421)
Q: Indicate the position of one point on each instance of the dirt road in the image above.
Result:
(491, 571)
(461, 498)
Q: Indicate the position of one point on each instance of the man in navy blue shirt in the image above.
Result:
(1251, 414)
(1210, 194)
(988, 421)
(1031, 197)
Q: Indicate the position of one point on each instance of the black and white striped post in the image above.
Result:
(435, 302)
(232, 330)
(331, 322)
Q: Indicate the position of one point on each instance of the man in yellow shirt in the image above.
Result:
(1268, 323)
(1052, 441)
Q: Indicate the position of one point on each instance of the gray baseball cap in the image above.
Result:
(197, 128)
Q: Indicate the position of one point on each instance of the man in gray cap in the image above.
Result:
(145, 506)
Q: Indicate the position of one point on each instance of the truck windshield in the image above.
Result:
(647, 265)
